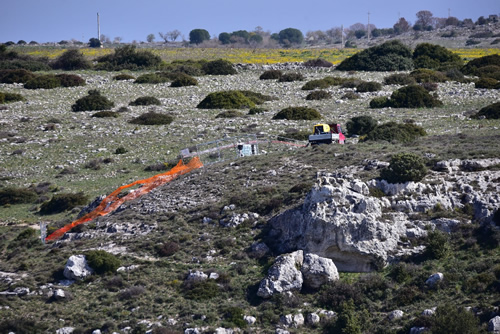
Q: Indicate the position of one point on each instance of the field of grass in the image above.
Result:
(41, 137)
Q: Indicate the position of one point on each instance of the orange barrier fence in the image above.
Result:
(112, 201)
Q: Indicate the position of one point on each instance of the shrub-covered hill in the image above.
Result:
(205, 222)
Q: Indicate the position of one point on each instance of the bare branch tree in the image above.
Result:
(173, 35)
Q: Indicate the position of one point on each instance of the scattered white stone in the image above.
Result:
(434, 279)
(249, 319)
(395, 315)
(65, 330)
(494, 324)
(313, 318)
(59, 294)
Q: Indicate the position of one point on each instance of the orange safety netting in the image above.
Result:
(112, 201)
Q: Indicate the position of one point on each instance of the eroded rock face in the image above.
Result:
(341, 221)
(283, 275)
(317, 271)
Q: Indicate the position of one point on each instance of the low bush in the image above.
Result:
(15, 76)
(290, 77)
(218, 67)
(434, 56)
(128, 58)
(132, 293)
(487, 83)
(106, 114)
(399, 79)
(318, 62)
(323, 83)
(393, 131)
(153, 78)
(470, 42)
(389, 56)
(102, 262)
(70, 80)
(256, 110)
(489, 71)
(379, 102)
(121, 150)
(152, 118)
(319, 95)
(168, 248)
(350, 96)
(361, 125)
(235, 316)
(145, 101)
(71, 60)
(427, 75)
(429, 86)
(491, 111)
(351, 83)
(230, 114)
(10, 97)
(404, 167)
(413, 96)
(93, 101)
(48, 81)
(10, 195)
(62, 202)
(271, 74)
(370, 86)
(450, 319)
(201, 290)
(233, 99)
(473, 66)
(123, 76)
(183, 80)
(298, 113)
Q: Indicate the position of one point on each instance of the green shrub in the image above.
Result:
(218, 67)
(123, 76)
(350, 96)
(323, 83)
(290, 77)
(93, 101)
(71, 60)
(290, 36)
(427, 75)
(489, 71)
(48, 81)
(360, 125)
(10, 195)
(393, 131)
(152, 118)
(106, 114)
(298, 113)
(153, 78)
(256, 110)
(235, 316)
(318, 62)
(229, 114)
(474, 65)
(203, 290)
(70, 80)
(102, 262)
(487, 83)
(168, 248)
(399, 79)
(495, 41)
(413, 96)
(389, 56)
(351, 83)
(470, 42)
(370, 86)
(379, 102)
(491, 111)
(450, 319)
(433, 56)
(184, 80)
(145, 101)
(22, 325)
(121, 150)
(128, 58)
(233, 99)
(15, 76)
(62, 202)
(271, 74)
(429, 86)
(404, 167)
(319, 95)
(10, 97)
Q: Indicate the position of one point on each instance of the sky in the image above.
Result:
(55, 20)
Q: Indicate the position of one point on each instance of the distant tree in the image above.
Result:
(225, 38)
(467, 23)
(117, 40)
(259, 31)
(452, 21)
(424, 19)
(359, 34)
(163, 36)
(255, 38)
(94, 43)
(197, 36)
(173, 35)
(335, 34)
(33, 43)
(241, 36)
(104, 39)
(21, 42)
(481, 21)
(150, 38)
(290, 36)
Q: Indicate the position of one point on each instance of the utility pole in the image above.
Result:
(368, 26)
(342, 34)
(449, 12)
(98, 28)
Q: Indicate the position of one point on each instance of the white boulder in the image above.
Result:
(77, 268)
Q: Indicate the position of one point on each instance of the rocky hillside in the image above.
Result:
(294, 240)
